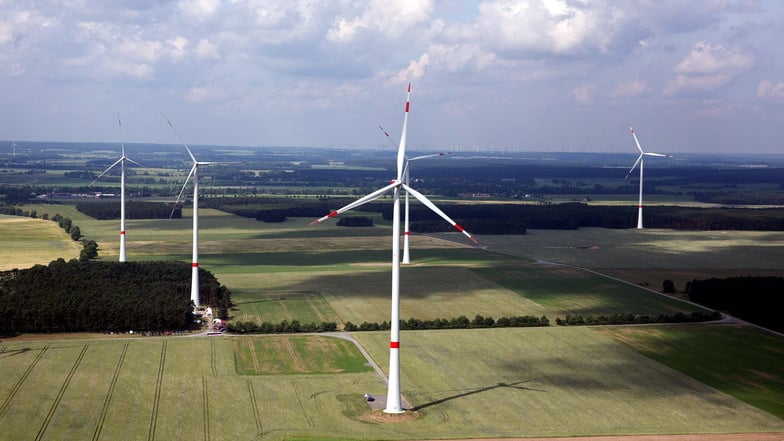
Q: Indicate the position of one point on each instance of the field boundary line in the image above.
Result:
(60, 393)
(254, 405)
(110, 392)
(21, 380)
(156, 401)
(206, 408)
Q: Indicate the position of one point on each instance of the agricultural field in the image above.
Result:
(480, 383)
(25, 242)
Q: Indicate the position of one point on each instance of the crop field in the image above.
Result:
(25, 242)
(538, 382)
(480, 383)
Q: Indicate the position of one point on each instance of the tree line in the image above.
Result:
(637, 319)
(106, 210)
(94, 296)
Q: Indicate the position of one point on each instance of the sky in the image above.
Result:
(525, 75)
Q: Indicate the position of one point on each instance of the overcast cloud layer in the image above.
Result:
(690, 76)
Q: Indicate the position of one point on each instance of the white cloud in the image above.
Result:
(770, 90)
(708, 67)
(583, 95)
(206, 50)
(199, 9)
(632, 88)
(390, 19)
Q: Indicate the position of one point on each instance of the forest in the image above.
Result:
(94, 296)
(511, 218)
(110, 209)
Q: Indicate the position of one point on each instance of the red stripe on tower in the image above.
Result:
(195, 264)
(405, 233)
(639, 206)
(122, 232)
(394, 344)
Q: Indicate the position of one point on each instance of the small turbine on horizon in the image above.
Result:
(394, 400)
(640, 160)
(195, 173)
(120, 161)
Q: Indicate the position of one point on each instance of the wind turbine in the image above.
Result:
(640, 160)
(120, 161)
(394, 402)
(406, 254)
(195, 173)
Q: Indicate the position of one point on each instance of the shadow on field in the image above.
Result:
(469, 392)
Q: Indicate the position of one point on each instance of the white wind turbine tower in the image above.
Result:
(195, 173)
(120, 161)
(394, 401)
(640, 160)
(406, 231)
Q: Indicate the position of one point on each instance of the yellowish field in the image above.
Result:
(25, 242)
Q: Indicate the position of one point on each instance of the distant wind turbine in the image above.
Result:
(394, 401)
(640, 160)
(195, 173)
(406, 233)
(120, 161)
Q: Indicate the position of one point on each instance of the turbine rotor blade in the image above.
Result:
(635, 140)
(122, 134)
(401, 151)
(193, 158)
(361, 201)
(132, 161)
(388, 137)
(193, 169)
(657, 154)
(107, 169)
(639, 158)
(438, 211)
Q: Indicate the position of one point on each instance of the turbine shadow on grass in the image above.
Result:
(469, 392)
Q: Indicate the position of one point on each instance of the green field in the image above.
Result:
(25, 242)
(461, 384)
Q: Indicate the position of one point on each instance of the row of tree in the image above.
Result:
(637, 319)
(104, 296)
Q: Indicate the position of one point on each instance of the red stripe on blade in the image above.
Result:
(458, 228)
(333, 214)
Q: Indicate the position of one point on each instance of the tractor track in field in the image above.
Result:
(110, 392)
(60, 393)
(255, 407)
(21, 380)
(157, 400)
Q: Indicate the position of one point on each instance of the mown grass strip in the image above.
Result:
(60, 393)
(110, 393)
(21, 380)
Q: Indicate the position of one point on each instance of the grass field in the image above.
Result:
(468, 383)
